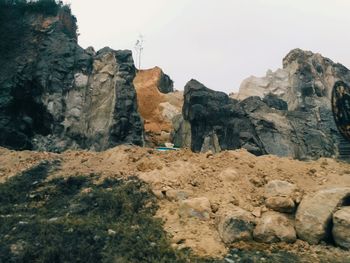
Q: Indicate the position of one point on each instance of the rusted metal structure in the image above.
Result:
(341, 108)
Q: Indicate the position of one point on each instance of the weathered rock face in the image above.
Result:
(306, 80)
(217, 121)
(305, 84)
(158, 104)
(56, 95)
(288, 113)
(181, 134)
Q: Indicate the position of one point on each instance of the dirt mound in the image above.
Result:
(156, 108)
(225, 179)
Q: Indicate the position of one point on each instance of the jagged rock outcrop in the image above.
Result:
(216, 118)
(158, 104)
(287, 113)
(54, 95)
(218, 122)
(306, 80)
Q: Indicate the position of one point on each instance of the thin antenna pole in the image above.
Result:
(139, 49)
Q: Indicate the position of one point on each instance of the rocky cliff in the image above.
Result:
(287, 113)
(54, 95)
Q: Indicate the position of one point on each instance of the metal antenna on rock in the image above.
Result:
(139, 49)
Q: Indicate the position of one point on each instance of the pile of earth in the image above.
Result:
(195, 193)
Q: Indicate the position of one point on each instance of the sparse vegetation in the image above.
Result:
(48, 7)
(13, 25)
(74, 220)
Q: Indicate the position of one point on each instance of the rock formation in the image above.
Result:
(158, 104)
(54, 95)
(287, 113)
(217, 121)
(306, 80)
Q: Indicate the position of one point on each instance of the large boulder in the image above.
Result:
(341, 227)
(274, 227)
(280, 196)
(236, 225)
(57, 96)
(314, 214)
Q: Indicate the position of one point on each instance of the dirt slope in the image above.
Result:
(226, 178)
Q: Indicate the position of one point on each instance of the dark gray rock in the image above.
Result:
(273, 101)
(54, 95)
(166, 85)
(256, 125)
(210, 112)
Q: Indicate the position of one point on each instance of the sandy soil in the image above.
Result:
(227, 178)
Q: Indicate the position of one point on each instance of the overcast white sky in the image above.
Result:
(217, 42)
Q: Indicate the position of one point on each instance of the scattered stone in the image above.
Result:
(229, 175)
(177, 195)
(236, 225)
(258, 181)
(279, 188)
(257, 212)
(209, 154)
(215, 207)
(281, 204)
(111, 232)
(341, 227)
(159, 194)
(314, 213)
(274, 227)
(18, 248)
(196, 207)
